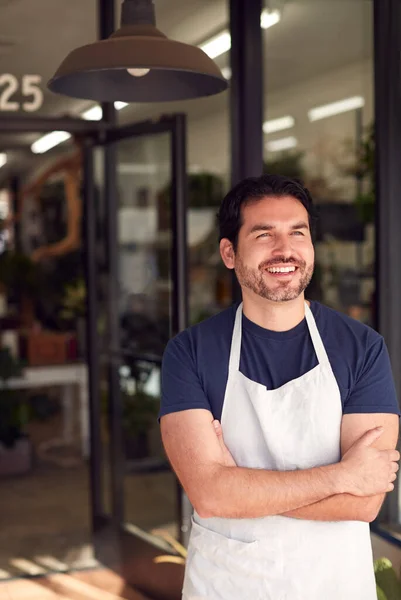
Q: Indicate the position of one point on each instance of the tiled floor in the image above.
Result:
(86, 585)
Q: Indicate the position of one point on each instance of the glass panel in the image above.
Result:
(144, 238)
(44, 505)
(319, 128)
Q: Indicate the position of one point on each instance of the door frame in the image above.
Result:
(175, 127)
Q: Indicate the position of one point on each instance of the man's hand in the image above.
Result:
(227, 458)
(369, 471)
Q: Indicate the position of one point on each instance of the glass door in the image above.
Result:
(137, 182)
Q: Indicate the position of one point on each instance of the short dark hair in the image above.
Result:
(253, 189)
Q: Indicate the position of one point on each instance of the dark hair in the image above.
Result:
(252, 189)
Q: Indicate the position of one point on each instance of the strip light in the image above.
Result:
(51, 140)
(282, 144)
(274, 125)
(3, 159)
(336, 108)
(221, 43)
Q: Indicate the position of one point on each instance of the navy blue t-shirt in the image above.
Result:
(195, 362)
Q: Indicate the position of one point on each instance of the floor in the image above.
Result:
(98, 584)
(45, 517)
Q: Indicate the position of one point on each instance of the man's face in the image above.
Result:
(275, 255)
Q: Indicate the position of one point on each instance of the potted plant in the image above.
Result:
(20, 276)
(15, 446)
(74, 310)
(387, 582)
(139, 415)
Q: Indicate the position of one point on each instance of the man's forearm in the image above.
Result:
(236, 492)
(342, 507)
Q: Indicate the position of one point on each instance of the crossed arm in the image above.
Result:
(217, 490)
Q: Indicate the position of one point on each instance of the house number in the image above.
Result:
(30, 89)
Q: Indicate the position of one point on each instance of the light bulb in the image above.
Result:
(138, 72)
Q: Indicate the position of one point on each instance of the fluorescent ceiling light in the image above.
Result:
(278, 124)
(49, 141)
(3, 159)
(55, 138)
(95, 113)
(268, 18)
(217, 45)
(226, 72)
(282, 144)
(221, 43)
(336, 108)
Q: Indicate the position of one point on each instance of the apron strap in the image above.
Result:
(315, 336)
(235, 353)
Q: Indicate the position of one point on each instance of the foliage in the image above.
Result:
(288, 163)
(13, 412)
(388, 584)
(20, 274)
(74, 300)
(365, 170)
(139, 412)
(205, 190)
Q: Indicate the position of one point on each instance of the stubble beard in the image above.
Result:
(282, 291)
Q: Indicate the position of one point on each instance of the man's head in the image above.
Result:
(265, 235)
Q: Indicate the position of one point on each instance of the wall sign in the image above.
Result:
(28, 87)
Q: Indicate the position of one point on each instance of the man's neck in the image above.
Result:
(275, 316)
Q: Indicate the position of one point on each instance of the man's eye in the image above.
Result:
(298, 233)
(263, 235)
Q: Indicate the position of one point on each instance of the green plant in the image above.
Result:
(13, 412)
(288, 163)
(387, 582)
(205, 190)
(74, 300)
(20, 274)
(139, 412)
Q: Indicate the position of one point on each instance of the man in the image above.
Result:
(280, 418)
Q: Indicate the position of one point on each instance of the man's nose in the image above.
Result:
(282, 245)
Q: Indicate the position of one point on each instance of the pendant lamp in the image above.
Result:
(137, 63)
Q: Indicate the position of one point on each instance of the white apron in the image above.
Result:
(296, 426)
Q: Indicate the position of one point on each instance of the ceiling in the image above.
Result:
(312, 38)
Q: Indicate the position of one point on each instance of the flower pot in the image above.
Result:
(16, 460)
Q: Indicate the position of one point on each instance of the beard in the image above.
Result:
(281, 291)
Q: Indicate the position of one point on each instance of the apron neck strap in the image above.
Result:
(315, 336)
(235, 353)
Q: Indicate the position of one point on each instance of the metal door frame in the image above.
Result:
(175, 127)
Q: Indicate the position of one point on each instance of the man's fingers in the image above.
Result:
(217, 428)
(394, 455)
(370, 436)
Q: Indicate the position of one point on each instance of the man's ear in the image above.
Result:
(227, 253)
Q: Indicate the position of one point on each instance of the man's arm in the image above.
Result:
(346, 507)
(217, 490)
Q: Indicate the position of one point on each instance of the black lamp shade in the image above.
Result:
(177, 71)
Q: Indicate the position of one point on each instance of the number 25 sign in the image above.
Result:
(28, 87)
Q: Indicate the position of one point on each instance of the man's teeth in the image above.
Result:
(281, 269)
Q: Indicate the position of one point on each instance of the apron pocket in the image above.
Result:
(222, 568)
(227, 553)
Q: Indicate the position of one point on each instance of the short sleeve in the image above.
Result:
(180, 386)
(374, 390)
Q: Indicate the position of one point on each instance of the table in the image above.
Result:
(68, 377)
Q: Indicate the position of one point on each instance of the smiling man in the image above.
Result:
(280, 418)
